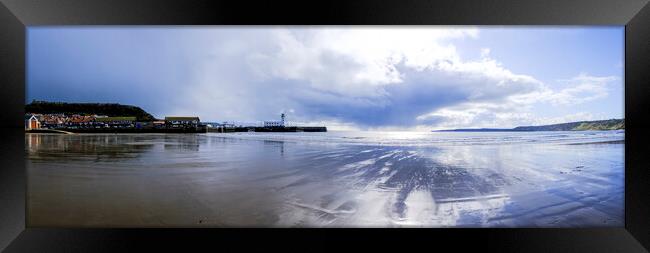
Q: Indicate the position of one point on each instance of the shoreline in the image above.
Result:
(599, 142)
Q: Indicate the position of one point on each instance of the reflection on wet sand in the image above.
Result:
(207, 180)
(57, 146)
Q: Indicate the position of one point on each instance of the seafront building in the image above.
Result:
(182, 122)
(32, 122)
(53, 120)
(275, 123)
(78, 121)
(116, 122)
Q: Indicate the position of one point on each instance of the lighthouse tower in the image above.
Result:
(282, 117)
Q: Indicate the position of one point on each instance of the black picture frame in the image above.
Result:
(16, 15)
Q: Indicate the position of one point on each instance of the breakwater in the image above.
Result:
(268, 129)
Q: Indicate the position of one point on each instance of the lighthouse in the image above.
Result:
(275, 123)
(282, 121)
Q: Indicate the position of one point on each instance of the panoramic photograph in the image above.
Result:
(325, 126)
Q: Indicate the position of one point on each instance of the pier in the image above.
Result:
(266, 126)
(267, 129)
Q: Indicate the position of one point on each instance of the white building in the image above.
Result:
(31, 122)
(275, 123)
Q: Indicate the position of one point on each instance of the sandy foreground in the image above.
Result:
(188, 180)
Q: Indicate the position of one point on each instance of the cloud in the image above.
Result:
(355, 62)
(582, 88)
(369, 78)
(516, 108)
(485, 52)
(495, 116)
(352, 78)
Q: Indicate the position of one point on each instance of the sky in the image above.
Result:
(348, 78)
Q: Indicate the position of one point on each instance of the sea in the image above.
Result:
(328, 179)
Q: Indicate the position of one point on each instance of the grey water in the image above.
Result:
(332, 179)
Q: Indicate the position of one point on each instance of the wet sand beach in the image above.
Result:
(326, 180)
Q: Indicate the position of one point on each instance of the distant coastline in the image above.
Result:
(596, 125)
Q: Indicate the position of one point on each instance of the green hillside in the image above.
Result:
(610, 124)
(112, 110)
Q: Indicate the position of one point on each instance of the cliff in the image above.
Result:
(610, 124)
